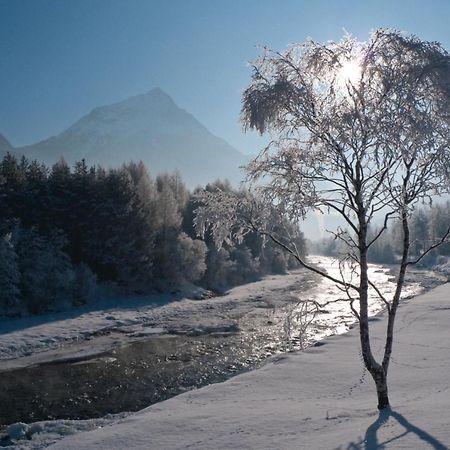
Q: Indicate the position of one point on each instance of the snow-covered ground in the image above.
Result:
(93, 329)
(109, 322)
(320, 398)
(105, 324)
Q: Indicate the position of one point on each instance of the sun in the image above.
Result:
(349, 73)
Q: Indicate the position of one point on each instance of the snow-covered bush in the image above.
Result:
(191, 255)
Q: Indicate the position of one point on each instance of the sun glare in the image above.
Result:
(350, 72)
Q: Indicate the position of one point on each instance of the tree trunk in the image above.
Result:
(377, 371)
(397, 294)
(380, 379)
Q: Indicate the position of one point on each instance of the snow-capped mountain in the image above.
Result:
(148, 127)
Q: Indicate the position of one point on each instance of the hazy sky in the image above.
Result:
(61, 58)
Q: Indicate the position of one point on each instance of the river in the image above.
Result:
(204, 342)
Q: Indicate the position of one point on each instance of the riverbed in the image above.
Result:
(177, 346)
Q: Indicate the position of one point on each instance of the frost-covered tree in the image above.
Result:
(189, 258)
(357, 128)
(169, 219)
(47, 278)
(419, 232)
(439, 219)
(219, 269)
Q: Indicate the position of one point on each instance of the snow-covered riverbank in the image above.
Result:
(84, 332)
(96, 328)
(317, 399)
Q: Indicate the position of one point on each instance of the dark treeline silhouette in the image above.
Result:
(63, 231)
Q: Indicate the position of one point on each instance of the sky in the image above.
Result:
(59, 59)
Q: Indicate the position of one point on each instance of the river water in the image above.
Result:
(248, 330)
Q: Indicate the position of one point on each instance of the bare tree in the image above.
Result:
(297, 319)
(357, 128)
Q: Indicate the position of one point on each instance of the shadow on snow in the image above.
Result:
(371, 442)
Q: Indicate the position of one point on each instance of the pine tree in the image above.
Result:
(47, 279)
(9, 276)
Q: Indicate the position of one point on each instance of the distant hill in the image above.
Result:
(5, 145)
(148, 127)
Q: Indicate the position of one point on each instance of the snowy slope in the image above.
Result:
(148, 127)
(317, 399)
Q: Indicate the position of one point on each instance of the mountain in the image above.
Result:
(5, 145)
(148, 127)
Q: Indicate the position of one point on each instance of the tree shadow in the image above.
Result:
(371, 442)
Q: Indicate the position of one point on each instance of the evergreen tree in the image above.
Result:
(47, 279)
(12, 188)
(59, 195)
(9, 276)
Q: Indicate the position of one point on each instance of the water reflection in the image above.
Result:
(138, 375)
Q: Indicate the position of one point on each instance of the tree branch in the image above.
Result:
(441, 241)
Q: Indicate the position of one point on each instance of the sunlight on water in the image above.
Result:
(334, 316)
(137, 375)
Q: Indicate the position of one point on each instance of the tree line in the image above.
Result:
(428, 224)
(64, 231)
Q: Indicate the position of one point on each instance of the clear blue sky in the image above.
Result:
(61, 58)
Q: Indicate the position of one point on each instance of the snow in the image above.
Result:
(320, 398)
(93, 329)
(32, 335)
(41, 434)
(443, 266)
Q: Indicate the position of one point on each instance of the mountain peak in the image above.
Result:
(148, 127)
(156, 92)
(154, 95)
(152, 102)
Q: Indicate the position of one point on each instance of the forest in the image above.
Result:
(66, 231)
(428, 224)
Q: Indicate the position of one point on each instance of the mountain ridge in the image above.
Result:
(148, 127)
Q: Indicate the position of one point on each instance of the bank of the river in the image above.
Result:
(318, 399)
(149, 352)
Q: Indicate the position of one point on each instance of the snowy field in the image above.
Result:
(320, 398)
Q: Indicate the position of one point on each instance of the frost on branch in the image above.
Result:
(355, 126)
(229, 216)
(359, 129)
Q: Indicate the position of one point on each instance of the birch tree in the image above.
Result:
(360, 129)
